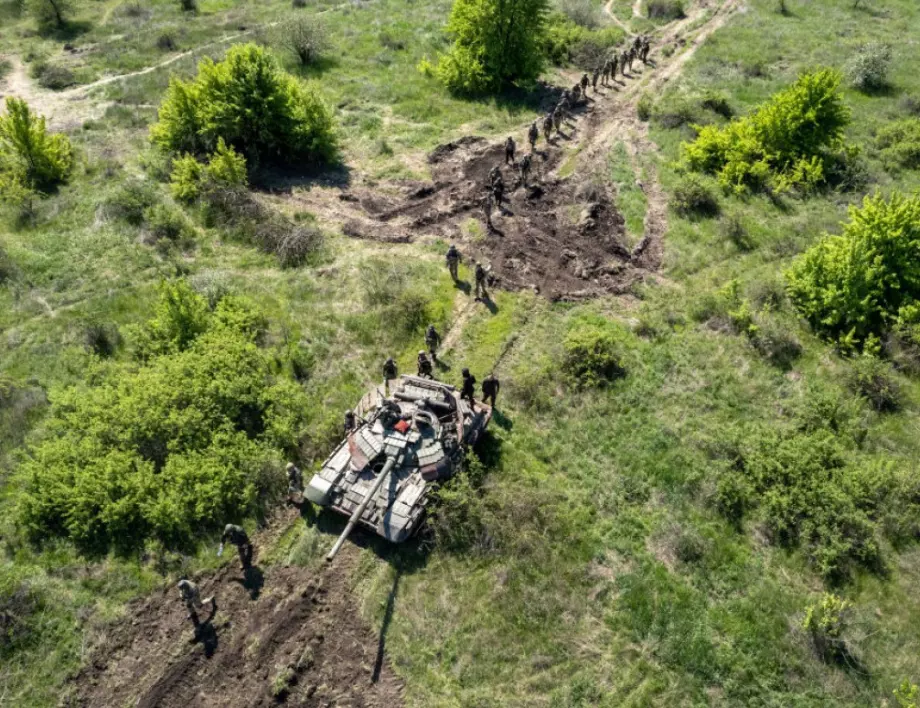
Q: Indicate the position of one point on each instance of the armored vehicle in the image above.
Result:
(404, 443)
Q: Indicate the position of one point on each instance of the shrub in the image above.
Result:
(7, 267)
(900, 143)
(387, 40)
(665, 9)
(166, 42)
(692, 198)
(50, 14)
(871, 378)
(496, 43)
(583, 13)
(53, 76)
(907, 694)
(298, 3)
(458, 518)
(826, 621)
(852, 287)
(131, 201)
(185, 180)
(31, 160)
(775, 342)
(783, 145)
(225, 169)
(593, 354)
(564, 41)
(644, 107)
(188, 5)
(908, 104)
(717, 103)
(868, 69)
(733, 228)
(165, 223)
(252, 105)
(101, 339)
(305, 38)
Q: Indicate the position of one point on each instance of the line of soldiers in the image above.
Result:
(188, 591)
(453, 258)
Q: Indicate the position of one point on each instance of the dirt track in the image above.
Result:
(289, 622)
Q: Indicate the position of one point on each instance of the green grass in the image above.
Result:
(603, 575)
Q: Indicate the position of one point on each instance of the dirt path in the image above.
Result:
(279, 634)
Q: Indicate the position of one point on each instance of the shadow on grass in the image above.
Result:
(284, 179)
(69, 29)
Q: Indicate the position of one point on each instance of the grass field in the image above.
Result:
(597, 570)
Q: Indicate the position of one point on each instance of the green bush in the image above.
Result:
(665, 9)
(868, 69)
(305, 38)
(178, 445)
(692, 198)
(852, 287)
(52, 76)
(247, 101)
(826, 622)
(871, 378)
(130, 201)
(783, 145)
(496, 43)
(226, 169)
(593, 354)
(644, 107)
(31, 160)
(165, 223)
(899, 143)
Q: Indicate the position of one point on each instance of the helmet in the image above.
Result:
(466, 372)
(421, 352)
(289, 466)
(349, 413)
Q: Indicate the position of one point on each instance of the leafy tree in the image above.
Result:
(31, 160)
(785, 144)
(868, 69)
(496, 43)
(249, 102)
(303, 37)
(50, 14)
(852, 287)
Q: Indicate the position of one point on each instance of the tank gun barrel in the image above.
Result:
(356, 515)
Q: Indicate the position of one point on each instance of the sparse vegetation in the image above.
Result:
(665, 9)
(868, 69)
(304, 38)
(693, 198)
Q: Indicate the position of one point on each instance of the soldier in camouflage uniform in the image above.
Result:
(498, 190)
(533, 134)
(645, 50)
(424, 365)
(189, 594)
(468, 388)
(613, 68)
(494, 174)
(432, 341)
(594, 77)
(481, 274)
(584, 85)
(510, 148)
(453, 259)
(525, 169)
(389, 367)
(295, 481)
(351, 422)
(548, 127)
(238, 537)
(623, 59)
(490, 386)
(576, 95)
(488, 204)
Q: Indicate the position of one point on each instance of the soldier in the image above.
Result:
(389, 368)
(510, 147)
(594, 77)
(645, 50)
(295, 481)
(584, 85)
(424, 365)
(533, 134)
(351, 422)
(631, 57)
(623, 59)
(237, 536)
(557, 118)
(613, 67)
(481, 274)
(576, 94)
(468, 389)
(432, 341)
(188, 591)
(498, 191)
(490, 386)
(488, 203)
(637, 42)
(453, 259)
(547, 126)
(525, 169)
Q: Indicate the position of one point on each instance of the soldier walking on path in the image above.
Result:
(584, 85)
(613, 68)
(424, 365)
(623, 60)
(510, 147)
(188, 592)
(481, 274)
(452, 258)
(525, 169)
(547, 127)
(490, 386)
(237, 536)
(594, 77)
(432, 341)
(498, 191)
(488, 203)
(468, 389)
(533, 134)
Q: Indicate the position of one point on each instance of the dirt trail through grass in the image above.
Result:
(282, 633)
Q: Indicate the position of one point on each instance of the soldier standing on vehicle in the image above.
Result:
(295, 481)
(390, 371)
(510, 147)
(351, 422)
(468, 389)
(432, 341)
(237, 536)
(481, 274)
(452, 258)
(490, 386)
(424, 365)
(188, 592)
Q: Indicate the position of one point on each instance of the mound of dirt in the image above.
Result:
(556, 237)
(289, 636)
